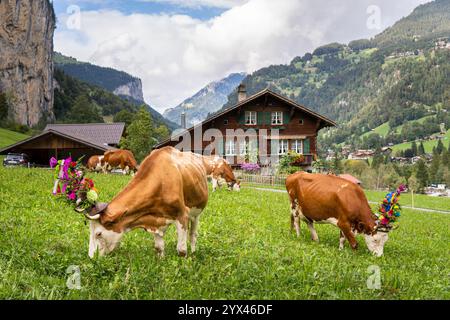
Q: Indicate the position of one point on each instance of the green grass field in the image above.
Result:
(428, 145)
(384, 129)
(8, 137)
(245, 251)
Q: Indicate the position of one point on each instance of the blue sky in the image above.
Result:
(201, 12)
(177, 47)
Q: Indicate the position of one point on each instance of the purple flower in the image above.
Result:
(250, 167)
(72, 196)
(401, 188)
(66, 168)
(53, 162)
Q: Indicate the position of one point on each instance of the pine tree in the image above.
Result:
(440, 147)
(421, 175)
(434, 167)
(414, 149)
(421, 150)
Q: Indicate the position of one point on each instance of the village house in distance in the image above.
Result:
(265, 111)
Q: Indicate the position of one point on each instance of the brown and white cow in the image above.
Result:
(169, 188)
(318, 198)
(95, 163)
(219, 169)
(115, 159)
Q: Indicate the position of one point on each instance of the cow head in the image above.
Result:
(234, 185)
(376, 240)
(101, 239)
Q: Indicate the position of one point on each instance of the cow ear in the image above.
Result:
(95, 211)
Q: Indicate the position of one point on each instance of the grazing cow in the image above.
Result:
(317, 198)
(123, 159)
(169, 188)
(219, 169)
(95, 163)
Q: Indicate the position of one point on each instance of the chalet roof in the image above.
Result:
(327, 122)
(101, 147)
(96, 133)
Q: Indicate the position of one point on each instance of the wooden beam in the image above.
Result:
(318, 124)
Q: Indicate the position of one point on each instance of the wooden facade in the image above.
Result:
(280, 125)
(54, 144)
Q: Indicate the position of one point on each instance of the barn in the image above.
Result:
(63, 140)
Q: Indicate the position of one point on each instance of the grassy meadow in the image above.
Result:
(8, 137)
(245, 251)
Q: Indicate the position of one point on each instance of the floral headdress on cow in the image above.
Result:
(389, 209)
(71, 185)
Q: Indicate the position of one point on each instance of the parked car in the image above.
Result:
(16, 159)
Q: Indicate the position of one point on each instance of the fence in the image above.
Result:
(271, 180)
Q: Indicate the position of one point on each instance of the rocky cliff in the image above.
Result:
(132, 89)
(26, 66)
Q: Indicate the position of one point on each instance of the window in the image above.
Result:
(225, 122)
(230, 148)
(283, 146)
(297, 146)
(277, 117)
(300, 121)
(250, 117)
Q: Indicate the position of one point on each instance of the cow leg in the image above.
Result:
(193, 231)
(347, 231)
(313, 232)
(341, 240)
(159, 241)
(214, 184)
(182, 226)
(295, 219)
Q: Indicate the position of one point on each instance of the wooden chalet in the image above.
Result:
(296, 129)
(63, 140)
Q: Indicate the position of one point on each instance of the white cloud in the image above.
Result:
(200, 3)
(176, 55)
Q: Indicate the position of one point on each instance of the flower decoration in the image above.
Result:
(71, 185)
(250, 167)
(389, 209)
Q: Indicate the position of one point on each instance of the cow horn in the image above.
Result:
(95, 212)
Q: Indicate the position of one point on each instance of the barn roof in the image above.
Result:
(101, 147)
(96, 133)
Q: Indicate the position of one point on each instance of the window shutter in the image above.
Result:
(268, 118)
(260, 118)
(242, 117)
(286, 117)
(306, 146)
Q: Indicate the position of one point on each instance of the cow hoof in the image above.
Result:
(182, 254)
